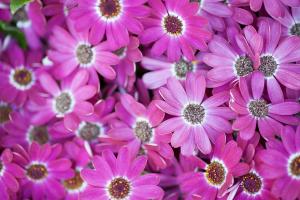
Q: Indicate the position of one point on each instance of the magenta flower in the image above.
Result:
(178, 30)
(137, 124)
(119, 178)
(280, 162)
(113, 19)
(197, 120)
(217, 176)
(9, 173)
(68, 101)
(254, 109)
(44, 169)
(74, 50)
(290, 22)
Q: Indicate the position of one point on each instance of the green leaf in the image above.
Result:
(17, 4)
(14, 32)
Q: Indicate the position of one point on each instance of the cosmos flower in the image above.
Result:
(178, 30)
(254, 109)
(44, 169)
(197, 120)
(119, 178)
(280, 162)
(114, 19)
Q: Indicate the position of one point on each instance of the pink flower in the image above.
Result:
(178, 30)
(119, 178)
(290, 22)
(197, 120)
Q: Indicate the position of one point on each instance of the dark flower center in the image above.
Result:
(39, 134)
(110, 8)
(4, 113)
(120, 52)
(1, 167)
(243, 66)
(119, 188)
(23, 77)
(295, 30)
(89, 131)
(258, 108)
(215, 173)
(143, 131)
(251, 183)
(73, 183)
(182, 67)
(63, 103)
(268, 65)
(20, 15)
(173, 25)
(194, 113)
(295, 166)
(36, 171)
(84, 54)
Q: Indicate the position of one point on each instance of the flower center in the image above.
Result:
(243, 66)
(36, 171)
(215, 173)
(89, 131)
(295, 166)
(84, 54)
(143, 130)
(258, 108)
(173, 25)
(1, 167)
(194, 113)
(4, 113)
(119, 188)
(251, 183)
(73, 183)
(182, 67)
(295, 30)
(22, 77)
(39, 134)
(110, 8)
(268, 65)
(20, 15)
(63, 103)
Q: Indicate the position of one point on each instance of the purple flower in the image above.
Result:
(290, 22)
(119, 178)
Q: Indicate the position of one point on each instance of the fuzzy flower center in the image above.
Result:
(22, 77)
(258, 108)
(110, 8)
(119, 188)
(215, 173)
(182, 67)
(251, 183)
(194, 113)
(295, 166)
(63, 103)
(268, 65)
(39, 134)
(4, 113)
(37, 171)
(84, 54)
(243, 66)
(143, 130)
(89, 131)
(173, 25)
(73, 183)
(20, 15)
(295, 30)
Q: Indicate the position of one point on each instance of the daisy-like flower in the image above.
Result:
(138, 124)
(74, 50)
(114, 19)
(215, 177)
(69, 101)
(44, 169)
(196, 120)
(254, 109)
(162, 69)
(19, 76)
(280, 162)
(178, 30)
(290, 22)
(9, 173)
(119, 178)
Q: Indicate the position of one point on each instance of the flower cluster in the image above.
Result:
(150, 100)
